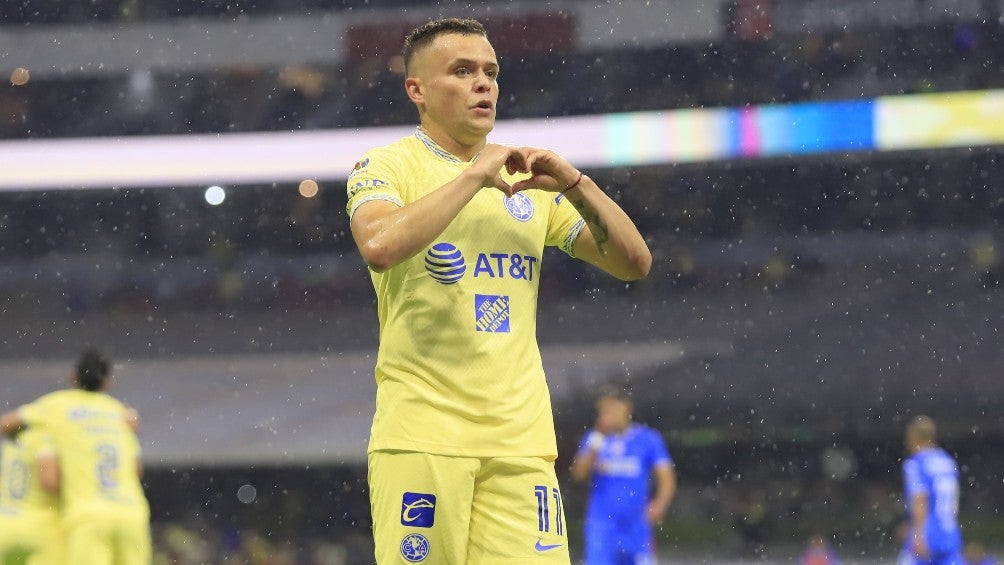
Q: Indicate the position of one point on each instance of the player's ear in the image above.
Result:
(413, 88)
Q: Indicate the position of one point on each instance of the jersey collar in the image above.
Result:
(431, 145)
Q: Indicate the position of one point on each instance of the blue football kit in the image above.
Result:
(932, 472)
(617, 530)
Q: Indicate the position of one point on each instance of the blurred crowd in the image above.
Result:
(54, 11)
(707, 225)
(750, 501)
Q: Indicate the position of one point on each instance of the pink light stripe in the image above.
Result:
(749, 134)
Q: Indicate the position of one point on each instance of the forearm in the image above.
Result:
(918, 518)
(918, 514)
(663, 497)
(404, 232)
(582, 466)
(48, 474)
(615, 245)
(665, 488)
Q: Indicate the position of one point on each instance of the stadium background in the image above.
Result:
(809, 294)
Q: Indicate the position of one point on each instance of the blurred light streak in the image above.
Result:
(891, 123)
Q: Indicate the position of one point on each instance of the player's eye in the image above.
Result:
(463, 71)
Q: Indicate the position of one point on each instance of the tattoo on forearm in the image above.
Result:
(596, 225)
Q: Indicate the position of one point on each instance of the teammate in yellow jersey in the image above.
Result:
(105, 515)
(30, 530)
(462, 449)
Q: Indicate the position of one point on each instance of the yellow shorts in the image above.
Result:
(109, 539)
(32, 538)
(435, 509)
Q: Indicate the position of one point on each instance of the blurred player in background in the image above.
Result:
(976, 554)
(462, 449)
(106, 518)
(931, 485)
(30, 530)
(818, 553)
(620, 458)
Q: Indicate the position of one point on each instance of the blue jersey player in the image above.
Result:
(620, 458)
(931, 484)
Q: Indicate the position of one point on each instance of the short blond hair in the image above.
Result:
(922, 429)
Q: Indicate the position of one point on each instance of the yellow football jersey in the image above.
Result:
(20, 487)
(29, 515)
(98, 452)
(459, 370)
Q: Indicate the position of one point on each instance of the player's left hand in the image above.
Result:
(548, 171)
(655, 513)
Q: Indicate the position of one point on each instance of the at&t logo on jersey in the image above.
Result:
(503, 265)
(519, 206)
(491, 313)
(445, 263)
(418, 509)
(414, 548)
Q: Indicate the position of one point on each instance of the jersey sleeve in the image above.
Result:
(658, 452)
(582, 441)
(913, 482)
(41, 443)
(375, 177)
(37, 413)
(564, 225)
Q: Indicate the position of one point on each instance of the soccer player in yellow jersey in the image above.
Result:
(30, 530)
(105, 515)
(462, 448)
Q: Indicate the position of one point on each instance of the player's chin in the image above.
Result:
(482, 127)
(485, 118)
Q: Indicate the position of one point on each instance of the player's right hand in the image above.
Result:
(493, 157)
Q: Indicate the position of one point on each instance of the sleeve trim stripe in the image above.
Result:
(573, 234)
(372, 197)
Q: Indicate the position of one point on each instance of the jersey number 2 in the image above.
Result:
(108, 464)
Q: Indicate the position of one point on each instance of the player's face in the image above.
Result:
(455, 80)
(613, 415)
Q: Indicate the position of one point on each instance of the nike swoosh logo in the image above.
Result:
(541, 547)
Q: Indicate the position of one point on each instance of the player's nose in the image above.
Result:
(483, 83)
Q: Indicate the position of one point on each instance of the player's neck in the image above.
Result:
(465, 151)
(622, 430)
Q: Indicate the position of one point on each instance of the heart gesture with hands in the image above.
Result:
(548, 171)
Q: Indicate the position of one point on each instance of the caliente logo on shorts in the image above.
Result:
(414, 548)
(418, 509)
(445, 263)
(519, 206)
